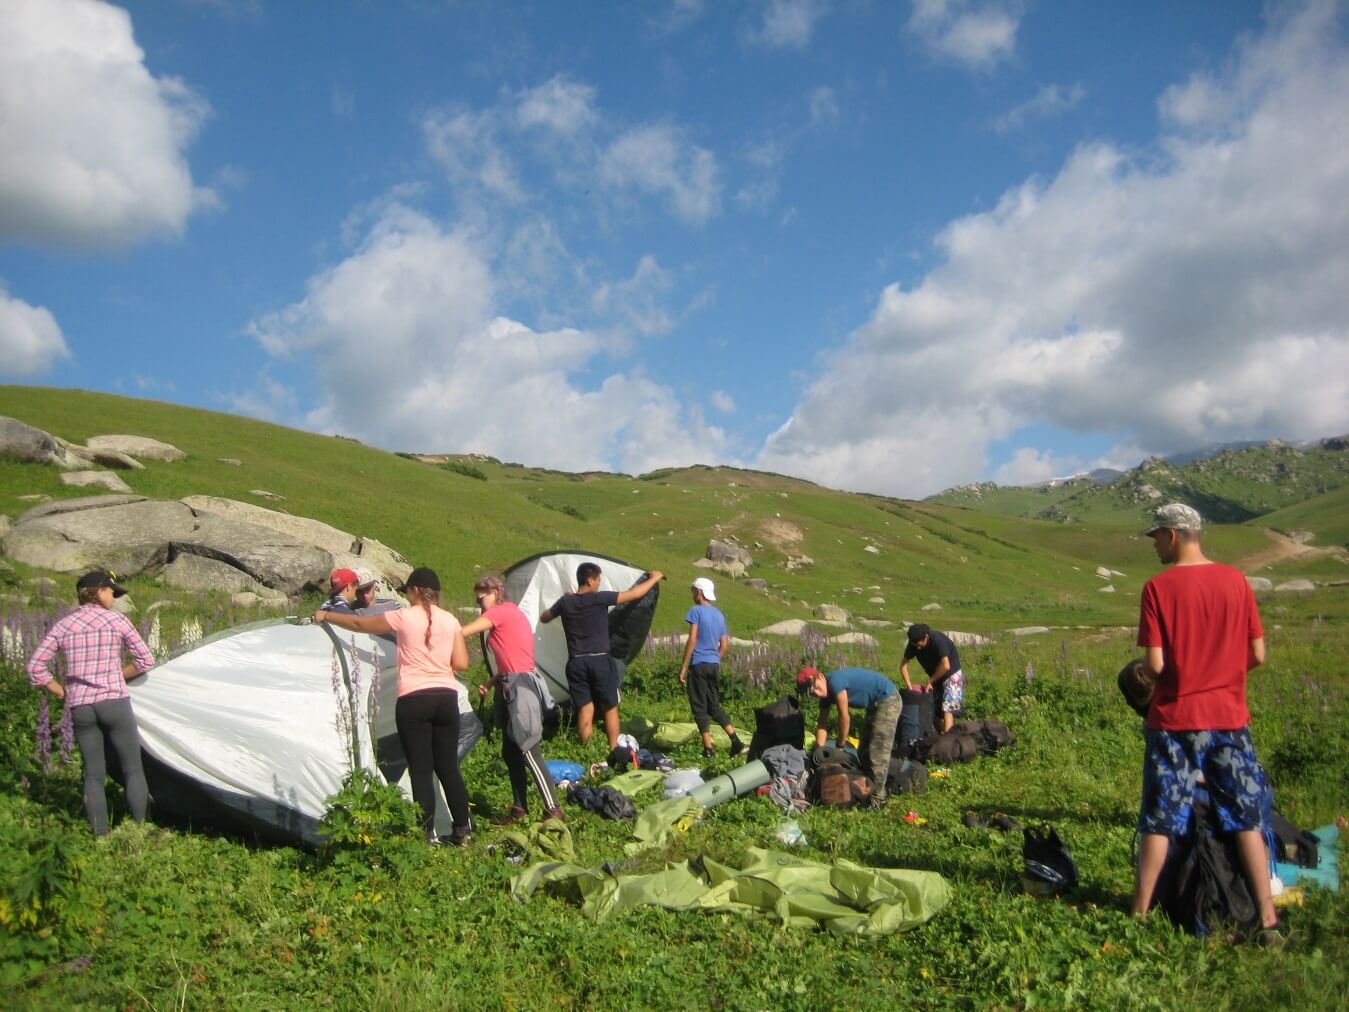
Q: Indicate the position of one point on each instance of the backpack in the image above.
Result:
(1203, 888)
(778, 723)
(988, 735)
(1295, 846)
(1049, 866)
(915, 720)
(839, 781)
(946, 748)
(906, 776)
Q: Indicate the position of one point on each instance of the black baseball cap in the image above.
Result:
(99, 578)
(423, 578)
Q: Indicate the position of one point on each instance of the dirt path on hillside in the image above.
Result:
(1282, 548)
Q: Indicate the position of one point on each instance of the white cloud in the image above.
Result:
(640, 300)
(1030, 466)
(1048, 102)
(561, 105)
(91, 144)
(658, 160)
(681, 14)
(465, 144)
(30, 339)
(974, 35)
(823, 106)
(1172, 299)
(722, 401)
(409, 352)
(787, 24)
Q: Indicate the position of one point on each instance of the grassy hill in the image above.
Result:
(189, 918)
(1233, 486)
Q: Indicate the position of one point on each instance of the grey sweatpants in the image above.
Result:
(111, 719)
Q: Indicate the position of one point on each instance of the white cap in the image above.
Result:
(365, 577)
(705, 585)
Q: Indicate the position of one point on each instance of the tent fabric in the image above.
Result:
(549, 840)
(246, 731)
(658, 823)
(634, 782)
(538, 581)
(670, 734)
(842, 897)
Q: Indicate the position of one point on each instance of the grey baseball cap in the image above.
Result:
(1175, 516)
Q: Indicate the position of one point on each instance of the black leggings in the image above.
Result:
(111, 718)
(428, 729)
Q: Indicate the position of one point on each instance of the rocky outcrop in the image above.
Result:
(22, 442)
(735, 570)
(95, 479)
(136, 446)
(1295, 587)
(853, 639)
(727, 553)
(968, 639)
(787, 627)
(198, 544)
(831, 613)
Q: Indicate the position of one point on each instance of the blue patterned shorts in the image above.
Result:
(953, 692)
(1177, 763)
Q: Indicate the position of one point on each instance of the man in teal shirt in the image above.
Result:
(866, 690)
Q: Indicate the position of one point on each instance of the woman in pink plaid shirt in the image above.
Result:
(94, 687)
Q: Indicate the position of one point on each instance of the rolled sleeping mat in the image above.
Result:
(741, 780)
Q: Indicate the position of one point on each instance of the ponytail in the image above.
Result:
(429, 598)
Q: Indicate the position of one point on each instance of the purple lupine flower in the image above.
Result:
(67, 735)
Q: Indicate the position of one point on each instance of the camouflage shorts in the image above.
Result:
(1177, 763)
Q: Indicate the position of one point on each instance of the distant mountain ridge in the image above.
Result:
(1228, 483)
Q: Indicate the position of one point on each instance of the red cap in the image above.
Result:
(341, 579)
(806, 675)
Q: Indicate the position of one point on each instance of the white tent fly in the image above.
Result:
(537, 582)
(251, 729)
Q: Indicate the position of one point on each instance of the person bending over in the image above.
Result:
(866, 690)
(941, 661)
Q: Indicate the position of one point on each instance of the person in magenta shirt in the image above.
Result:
(92, 639)
(431, 649)
(1200, 628)
(518, 705)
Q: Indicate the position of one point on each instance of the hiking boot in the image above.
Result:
(512, 817)
(1005, 822)
(461, 837)
(738, 747)
(709, 752)
(974, 820)
(877, 802)
(556, 814)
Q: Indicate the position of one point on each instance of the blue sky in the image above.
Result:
(885, 246)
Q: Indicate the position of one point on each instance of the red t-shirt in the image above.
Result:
(511, 639)
(1204, 618)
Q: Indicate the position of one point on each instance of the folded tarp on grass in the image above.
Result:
(1326, 874)
(669, 734)
(634, 782)
(843, 897)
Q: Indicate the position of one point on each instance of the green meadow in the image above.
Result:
(175, 917)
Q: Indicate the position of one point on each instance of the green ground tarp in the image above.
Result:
(634, 782)
(842, 897)
(659, 822)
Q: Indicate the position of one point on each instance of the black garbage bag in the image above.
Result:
(1050, 869)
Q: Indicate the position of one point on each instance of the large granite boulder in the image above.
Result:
(136, 446)
(345, 549)
(123, 533)
(787, 627)
(831, 613)
(1260, 583)
(199, 572)
(27, 444)
(95, 479)
(725, 552)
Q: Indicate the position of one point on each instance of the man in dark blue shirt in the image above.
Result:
(940, 659)
(592, 678)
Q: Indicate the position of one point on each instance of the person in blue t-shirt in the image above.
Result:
(700, 671)
(866, 690)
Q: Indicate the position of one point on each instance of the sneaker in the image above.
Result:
(556, 814)
(709, 752)
(738, 747)
(512, 817)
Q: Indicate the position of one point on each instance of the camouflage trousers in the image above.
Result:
(878, 738)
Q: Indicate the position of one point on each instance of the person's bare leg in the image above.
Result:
(707, 739)
(611, 726)
(1151, 859)
(948, 721)
(585, 720)
(1255, 863)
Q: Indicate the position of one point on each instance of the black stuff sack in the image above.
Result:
(1205, 891)
(1049, 866)
(945, 749)
(989, 735)
(779, 723)
(906, 776)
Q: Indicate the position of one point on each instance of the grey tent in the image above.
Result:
(537, 582)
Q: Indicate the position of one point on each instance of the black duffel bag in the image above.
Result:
(778, 723)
